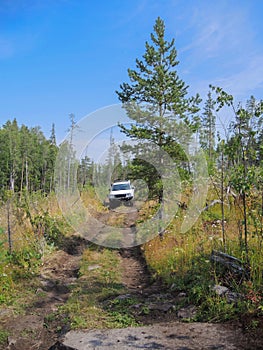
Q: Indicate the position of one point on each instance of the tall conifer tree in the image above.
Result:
(156, 99)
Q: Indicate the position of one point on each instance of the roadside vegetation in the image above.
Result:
(183, 261)
(31, 230)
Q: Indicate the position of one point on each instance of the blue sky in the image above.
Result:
(69, 56)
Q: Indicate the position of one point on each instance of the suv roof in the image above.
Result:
(121, 181)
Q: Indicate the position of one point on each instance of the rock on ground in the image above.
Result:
(176, 335)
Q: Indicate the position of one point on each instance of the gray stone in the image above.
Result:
(170, 336)
(223, 291)
(220, 290)
(187, 312)
(123, 297)
(165, 307)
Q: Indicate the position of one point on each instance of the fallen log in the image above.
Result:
(229, 263)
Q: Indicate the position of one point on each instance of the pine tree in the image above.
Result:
(51, 158)
(208, 127)
(155, 99)
(52, 138)
(157, 83)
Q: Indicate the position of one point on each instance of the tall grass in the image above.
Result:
(182, 260)
(36, 225)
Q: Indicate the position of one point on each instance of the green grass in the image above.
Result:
(89, 305)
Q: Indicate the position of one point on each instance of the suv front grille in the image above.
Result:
(120, 195)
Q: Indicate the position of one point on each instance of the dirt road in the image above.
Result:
(162, 327)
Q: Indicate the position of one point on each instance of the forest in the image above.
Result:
(230, 224)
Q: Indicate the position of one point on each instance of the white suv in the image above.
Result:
(121, 191)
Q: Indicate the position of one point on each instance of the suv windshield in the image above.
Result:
(121, 187)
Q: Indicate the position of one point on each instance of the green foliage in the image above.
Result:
(156, 100)
(27, 159)
(16, 268)
(240, 160)
(122, 319)
(223, 98)
(218, 309)
(26, 259)
(30, 233)
(85, 172)
(196, 280)
(243, 179)
(208, 128)
(50, 227)
(120, 312)
(156, 82)
(140, 169)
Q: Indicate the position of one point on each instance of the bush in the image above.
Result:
(50, 227)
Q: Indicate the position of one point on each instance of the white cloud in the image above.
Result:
(217, 29)
(220, 48)
(247, 80)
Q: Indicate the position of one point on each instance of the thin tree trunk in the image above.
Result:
(222, 201)
(50, 184)
(160, 193)
(240, 234)
(27, 182)
(12, 180)
(22, 178)
(245, 224)
(9, 233)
